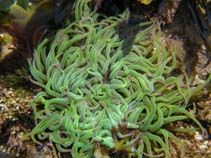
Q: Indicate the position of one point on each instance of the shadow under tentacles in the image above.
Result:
(127, 31)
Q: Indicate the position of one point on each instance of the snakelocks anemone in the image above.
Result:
(95, 95)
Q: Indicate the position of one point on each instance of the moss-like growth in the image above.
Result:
(96, 94)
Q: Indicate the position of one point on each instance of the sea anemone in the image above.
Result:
(94, 94)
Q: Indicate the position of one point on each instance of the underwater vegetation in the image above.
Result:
(95, 95)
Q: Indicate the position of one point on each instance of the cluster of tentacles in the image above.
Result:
(93, 92)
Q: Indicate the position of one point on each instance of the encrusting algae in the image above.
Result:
(95, 95)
